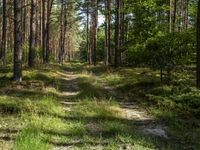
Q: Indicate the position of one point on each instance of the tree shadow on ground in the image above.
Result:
(9, 109)
(4, 81)
(65, 85)
(7, 138)
(40, 78)
(8, 134)
(23, 94)
(89, 90)
(5, 70)
(99, 70)
(80, 143)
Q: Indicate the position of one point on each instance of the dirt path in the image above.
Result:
(145, 122)
(69, 87)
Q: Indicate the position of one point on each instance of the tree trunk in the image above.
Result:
(24, 13)
(170, 16)
(107, 32)
(43, 31)
(32, 42)
(94, 23)
(49, 8)
(65, 30)
(117, 33)
(61, 33)
(4, 32)
(87, 32)
(174, 17)
(17, 42)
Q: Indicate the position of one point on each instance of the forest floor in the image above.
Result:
(76, 106)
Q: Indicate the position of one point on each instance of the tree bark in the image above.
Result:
(87, 32)
(24, 15)
(95, 24)
(49, 8)
(174, 17)
(43, 32)
(117, 33)
(64, 30)
(4, 32)
(107, 32)
(61, 33)
(32, 40)
(17, 42)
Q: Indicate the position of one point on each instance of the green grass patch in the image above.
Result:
(97, 109)
(31, 138)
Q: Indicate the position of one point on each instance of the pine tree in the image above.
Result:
(17, 41)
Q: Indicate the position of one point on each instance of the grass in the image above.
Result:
(96, 108)
(33, 117)
(31, 138)
(19, 102)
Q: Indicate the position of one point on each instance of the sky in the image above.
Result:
(101, 20)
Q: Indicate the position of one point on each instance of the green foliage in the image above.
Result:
(9, 57)
(168, 50)
(136, 54)
(25, 51)
(101, 44)
(38, 54)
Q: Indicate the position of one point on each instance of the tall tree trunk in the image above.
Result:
(17, 42)
(87, 32)
(198, 46)
(186, 15)
(122, 31)
(170, 16)
(107, 32)
(64, 31)
(41, 23)
(91, 41)
(61, 33)
(174, 16)
(24, 14)
(32, 42)
(43, 31)
(36, 23)
(117, 33)
(4, 32)
(49, 8)
(95, 24)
